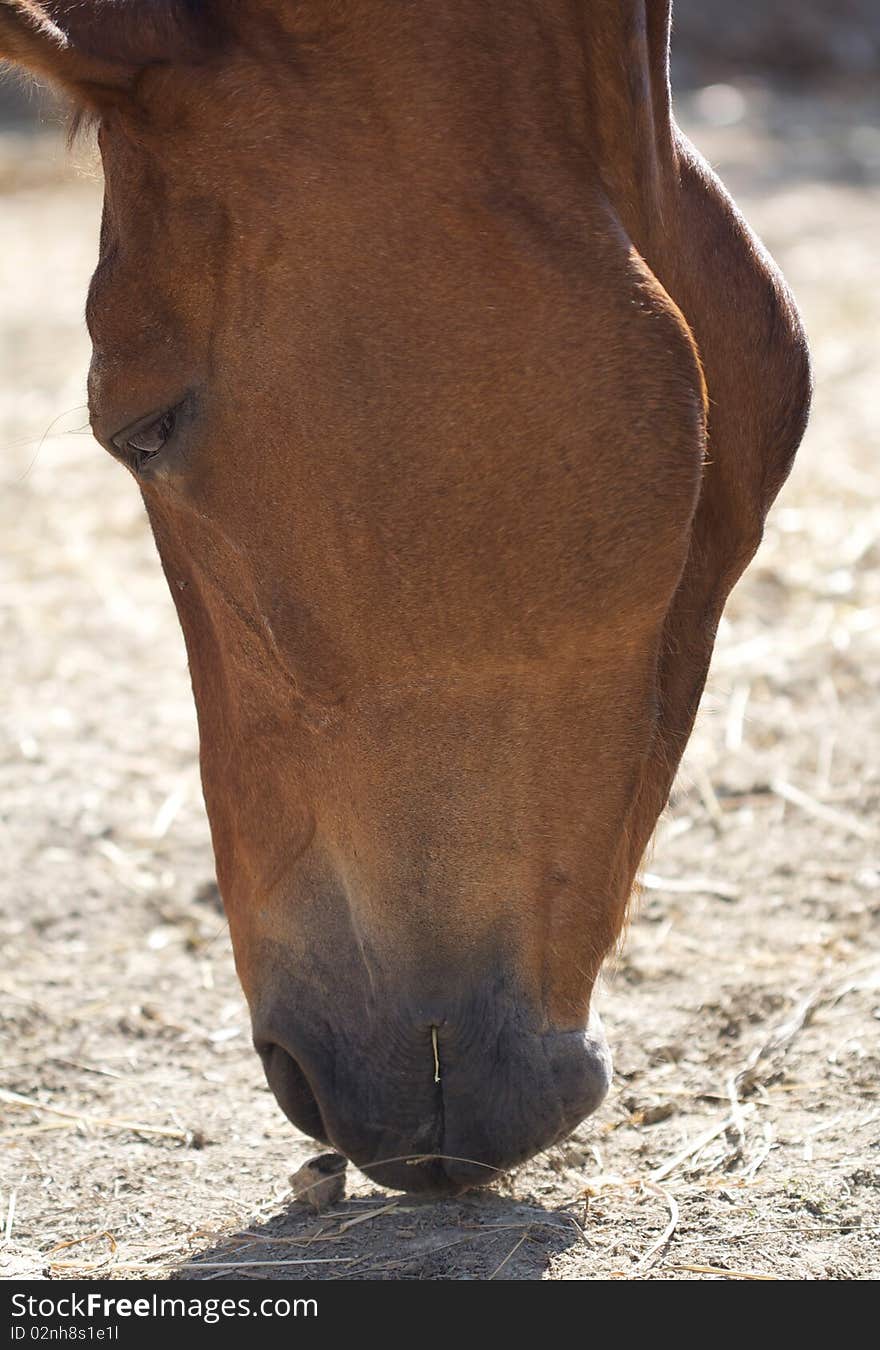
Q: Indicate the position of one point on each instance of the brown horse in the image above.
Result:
(457, 392)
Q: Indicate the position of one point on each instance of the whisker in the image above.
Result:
(413, 1159)
(48, 433)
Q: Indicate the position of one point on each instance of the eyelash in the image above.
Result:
(139, 455)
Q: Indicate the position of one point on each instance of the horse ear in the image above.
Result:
(94, 49)
(31, 40)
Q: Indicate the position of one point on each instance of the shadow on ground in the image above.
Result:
(482, 1236)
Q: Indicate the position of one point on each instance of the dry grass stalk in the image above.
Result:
(10, 1216)
(97, 1122)
(708, 796)
(87, 1237)
(362, 1218)
(650, 881)
(513, 1251)
(245, 1265)
(829, 814)
(653, 1253)
(736, 716)
(689, 1150)
(784, 1034)
(728, 1274)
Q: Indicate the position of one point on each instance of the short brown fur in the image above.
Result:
(484, 391)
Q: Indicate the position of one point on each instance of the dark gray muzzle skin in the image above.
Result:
(429, 1094)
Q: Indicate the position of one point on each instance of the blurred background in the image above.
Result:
(135, 1133)
(815, 40)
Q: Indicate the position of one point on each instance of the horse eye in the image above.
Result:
(143, 441)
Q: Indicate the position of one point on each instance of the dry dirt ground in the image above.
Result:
(741, 1138)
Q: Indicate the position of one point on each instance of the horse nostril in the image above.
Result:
(292, 1090)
